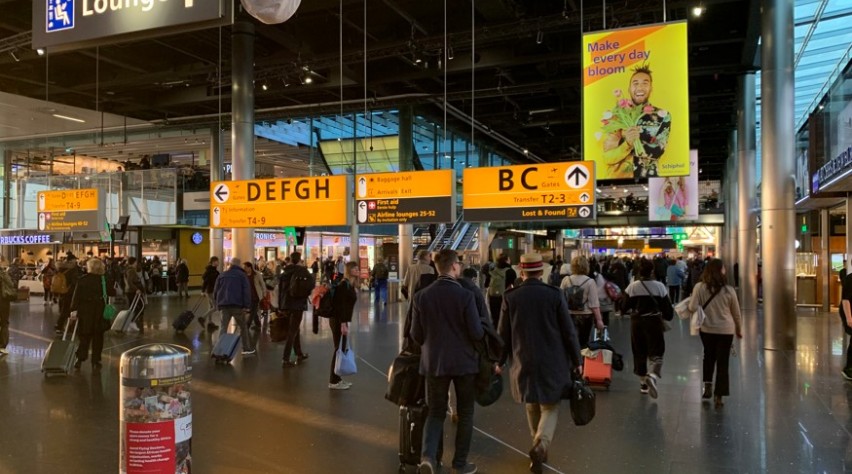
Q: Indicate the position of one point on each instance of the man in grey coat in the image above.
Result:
(539, 336)
(446, 324)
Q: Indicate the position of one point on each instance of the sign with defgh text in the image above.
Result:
(71, 210)
(267, 203)
(71, 24)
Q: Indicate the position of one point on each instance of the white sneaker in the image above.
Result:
(4, 352)
(651, 380)
(339, 386)
(249, 353)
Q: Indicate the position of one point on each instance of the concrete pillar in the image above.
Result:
(722, 235)
(217, 159)
(7, 188)
(747, 219)
(560, 243)
(242, 124)
(406, 163)
(824, 258)
(732, 222)
(848, 232)
(484, 242)
(778, 168)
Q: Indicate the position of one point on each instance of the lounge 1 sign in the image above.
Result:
(840, 166)
(70, 24)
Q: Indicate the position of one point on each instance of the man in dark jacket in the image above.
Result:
(208, 284)
(293, 309)
(445, 322)
(72, 273)
(233, 299)
(540, 338)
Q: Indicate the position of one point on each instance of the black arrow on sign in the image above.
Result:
(576, 173)
(219, 192)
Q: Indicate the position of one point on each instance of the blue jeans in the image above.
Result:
(239, 315)
(381, 290)
(437, 389)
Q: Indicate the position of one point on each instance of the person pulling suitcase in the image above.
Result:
(233, 299)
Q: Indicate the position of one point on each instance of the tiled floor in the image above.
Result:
(788, 413)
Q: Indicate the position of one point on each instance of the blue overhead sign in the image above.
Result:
(60, 15)
(60, 25)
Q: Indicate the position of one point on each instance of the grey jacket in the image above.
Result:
(541, 340)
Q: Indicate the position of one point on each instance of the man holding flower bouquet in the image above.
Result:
(634, 132)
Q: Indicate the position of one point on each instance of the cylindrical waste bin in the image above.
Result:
(156, 410)
(393, 290)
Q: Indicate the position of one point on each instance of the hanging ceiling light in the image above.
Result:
(697, 11)
(450, 54)
(539, 37)
(40, 51)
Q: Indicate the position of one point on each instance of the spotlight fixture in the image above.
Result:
(40, 51)
(821, 106)
(526, 152)
(264, 87)
(450, 54)
(697, 11)
(539, 37)
(306, 78)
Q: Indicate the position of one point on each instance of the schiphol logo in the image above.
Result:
(60, 15)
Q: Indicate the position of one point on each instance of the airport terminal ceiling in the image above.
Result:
(527, 73)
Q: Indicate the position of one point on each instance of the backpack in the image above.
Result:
(8, 292)
(381, 272)
(323, 300)
(612, 290)
(576, 297)
(301, 284)
(498, 282)
(59, 284)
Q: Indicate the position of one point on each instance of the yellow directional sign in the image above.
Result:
(68, 200)
(71, 210)
(411, 197)
(538, 192)
(307, 201)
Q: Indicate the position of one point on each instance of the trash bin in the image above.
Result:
(155, 410)
(393, 291)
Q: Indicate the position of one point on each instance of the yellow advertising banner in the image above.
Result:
(636, 101)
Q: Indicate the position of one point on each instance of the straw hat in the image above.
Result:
(532, 262)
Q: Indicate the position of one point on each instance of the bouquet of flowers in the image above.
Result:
(623, 116)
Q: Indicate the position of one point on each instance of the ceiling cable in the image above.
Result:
(472, 69)
(604, 14)
(340, 79)
(446, 57)
(664, 11)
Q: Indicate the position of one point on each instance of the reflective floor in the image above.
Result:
(788, 413)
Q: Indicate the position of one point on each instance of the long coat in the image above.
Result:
(541, 340)
(89, 303)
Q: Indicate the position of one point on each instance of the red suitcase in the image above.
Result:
(596, 372)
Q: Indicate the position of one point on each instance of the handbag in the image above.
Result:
(582, 402)
(344, 360)
(110, 311)
(699, 316)
(663, 214)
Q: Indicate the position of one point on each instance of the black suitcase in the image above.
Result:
(412, 419)
(279, 328)
(185, 318)
(405, 384)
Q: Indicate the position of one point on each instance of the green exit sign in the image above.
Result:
(804, 228)
(511, 243)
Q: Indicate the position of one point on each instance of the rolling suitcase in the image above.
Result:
(59, 358)
(412, 419)
(185, 318)
(125, 318)
(597, 371)
(226, 348)
(279, 328)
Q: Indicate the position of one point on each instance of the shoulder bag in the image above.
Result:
(699, 316)
(110, 311)
(666, 312)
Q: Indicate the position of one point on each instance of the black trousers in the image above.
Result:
(849, 354)
(495, 303)
(584, 324)
(674, 294)
(647, 343)
(334, 325)
(294, 341)
(717, 353)
(96, 340)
